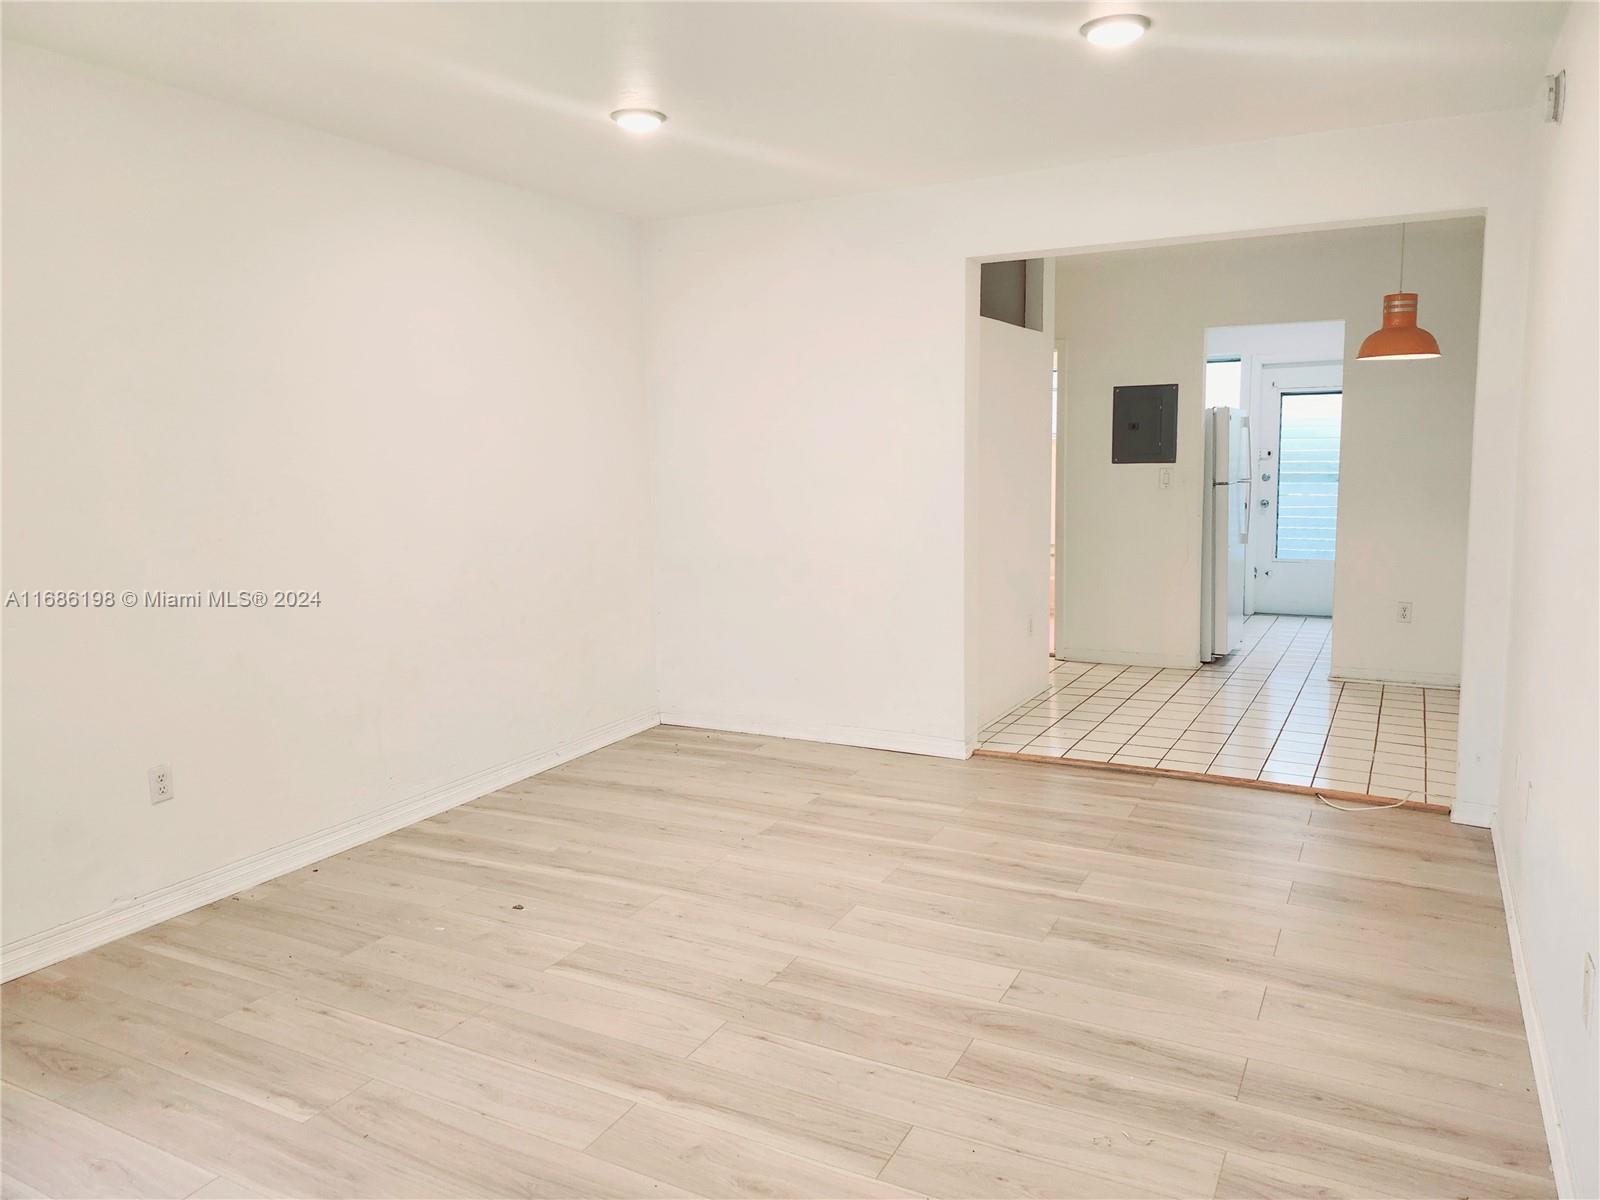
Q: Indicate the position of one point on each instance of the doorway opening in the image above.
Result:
(1242, 515)
(1279, 389)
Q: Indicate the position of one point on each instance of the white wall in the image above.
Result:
(809, 385)
(242, 354)
(1128, 548)
(1295, 342)
(1009, 650)
(1546, 829)
(1129, 583)
(810, 529)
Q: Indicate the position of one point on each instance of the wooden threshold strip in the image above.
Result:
(1262, 785)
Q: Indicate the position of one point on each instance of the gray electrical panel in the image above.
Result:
(1144, 423)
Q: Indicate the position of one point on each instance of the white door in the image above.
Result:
(1295, 489)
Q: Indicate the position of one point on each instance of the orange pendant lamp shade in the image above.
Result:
(1400, 337)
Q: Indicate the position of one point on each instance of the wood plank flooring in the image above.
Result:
(700, 964)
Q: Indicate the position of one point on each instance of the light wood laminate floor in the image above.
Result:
(726, 966)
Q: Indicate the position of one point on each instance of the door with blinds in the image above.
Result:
(1297, 420)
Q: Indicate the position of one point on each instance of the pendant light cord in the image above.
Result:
(1402, 256)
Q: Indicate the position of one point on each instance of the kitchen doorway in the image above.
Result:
(1157, 659)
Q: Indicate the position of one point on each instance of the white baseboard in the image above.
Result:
(38, 950)
(1125, 658)
(839, 735)
(1538, 1051)
(1384, 675)
(1481, 815)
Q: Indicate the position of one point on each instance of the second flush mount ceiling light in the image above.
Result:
(1120, 29)
(639, 120)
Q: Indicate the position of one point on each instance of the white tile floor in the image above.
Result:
(1268, 712)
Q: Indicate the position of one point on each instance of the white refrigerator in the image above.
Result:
(1225, 531)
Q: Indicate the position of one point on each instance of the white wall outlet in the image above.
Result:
(160, 783)
(1403, 612)
(1166, 477)
(1588, 990)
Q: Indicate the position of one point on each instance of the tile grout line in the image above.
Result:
(1031, 705)
(1244, 656)
(1130, 696)
(1253, 697)
(1424, 743)
(1253, 646)
(1088, 668)
(1289, 715)
(1145, 724)
(1192, 674)
(1121, 671)
(1037, 704)
(1332, 713)
(1298, 691)
(1377, 735)
(1187, 681)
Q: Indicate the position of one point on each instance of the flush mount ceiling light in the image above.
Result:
(639, 120)
(1121, 29)
(1400, 339)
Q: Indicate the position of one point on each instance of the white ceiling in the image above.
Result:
(786, 101)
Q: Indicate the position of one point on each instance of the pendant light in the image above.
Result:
(1400, 338)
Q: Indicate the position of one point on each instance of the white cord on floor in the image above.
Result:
(1358, 808)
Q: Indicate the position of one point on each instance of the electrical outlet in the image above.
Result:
(1588, 989)
(1403, 612)
(160, 784)
(1166, 477)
